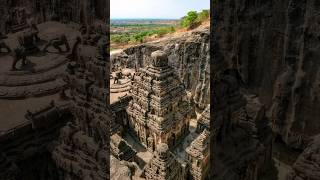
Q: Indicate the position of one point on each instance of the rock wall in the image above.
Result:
(82, 151)
(25, 152)
(80, 11)
(188, 55)
(274, 48)
(307, 165)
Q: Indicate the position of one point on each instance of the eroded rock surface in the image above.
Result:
(274, 46)
(307, 165)
(188, 55)
(118, 170)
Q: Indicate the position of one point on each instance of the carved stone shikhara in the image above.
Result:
(198, 155)
(170, 83)
(204, 120)
(158, 112)
(164, 166)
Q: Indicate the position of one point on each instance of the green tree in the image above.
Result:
(190, 19)
(203, 15)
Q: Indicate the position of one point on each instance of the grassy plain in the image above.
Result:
(130, 32)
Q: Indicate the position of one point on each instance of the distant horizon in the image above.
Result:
(145, 18)
(154, 9)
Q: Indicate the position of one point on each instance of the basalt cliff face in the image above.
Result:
(307, 164)
(188, 54)
(274, 46)
(272, 49)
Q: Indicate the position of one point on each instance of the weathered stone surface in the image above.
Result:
(164, 166)
(31, 143)
(274, 47)
(188, 55)
(199, 154)
(88, 136)
(238, 149)
(170, 83)
(159, 111)
(307, 165)
(29, 139)
(119, 170)
(80, 11)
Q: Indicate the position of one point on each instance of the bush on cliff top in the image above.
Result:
(193, 19)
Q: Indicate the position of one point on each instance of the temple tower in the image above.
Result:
(204, 120)
(198, 155)
(158, 112)
(164, 166)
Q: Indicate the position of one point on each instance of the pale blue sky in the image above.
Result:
(170, 9)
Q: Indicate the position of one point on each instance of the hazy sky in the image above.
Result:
(170, 9)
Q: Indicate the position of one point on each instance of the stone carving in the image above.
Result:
(119, 170)
(27, 41)
(83, 146)
(307, 164)
(167, 124)
(26, 47)
(90, 130)
(57, 43)
(274, 66)
(19, 54)
(117, 77)
(164, 166)
(159, 59)
(198, 153)
(188, 56)
(160, 106)
(120, 149)
(17, 19)
(204, 120)
(91, 35)
(241, 140)
(3, 45)
(34, 30)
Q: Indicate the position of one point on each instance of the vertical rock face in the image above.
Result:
(307, 165)
(274, 47)
(239, 150)
(190, 58)
(188, 55)
(87, 137)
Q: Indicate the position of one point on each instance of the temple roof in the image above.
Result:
(200, 145)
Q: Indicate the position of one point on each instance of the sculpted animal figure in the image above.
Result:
(18, 54)
(127, 73)
(26, 40)
(74, 52)
(57, 43)
(3, 45)
(119, 75)
(34, 30)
